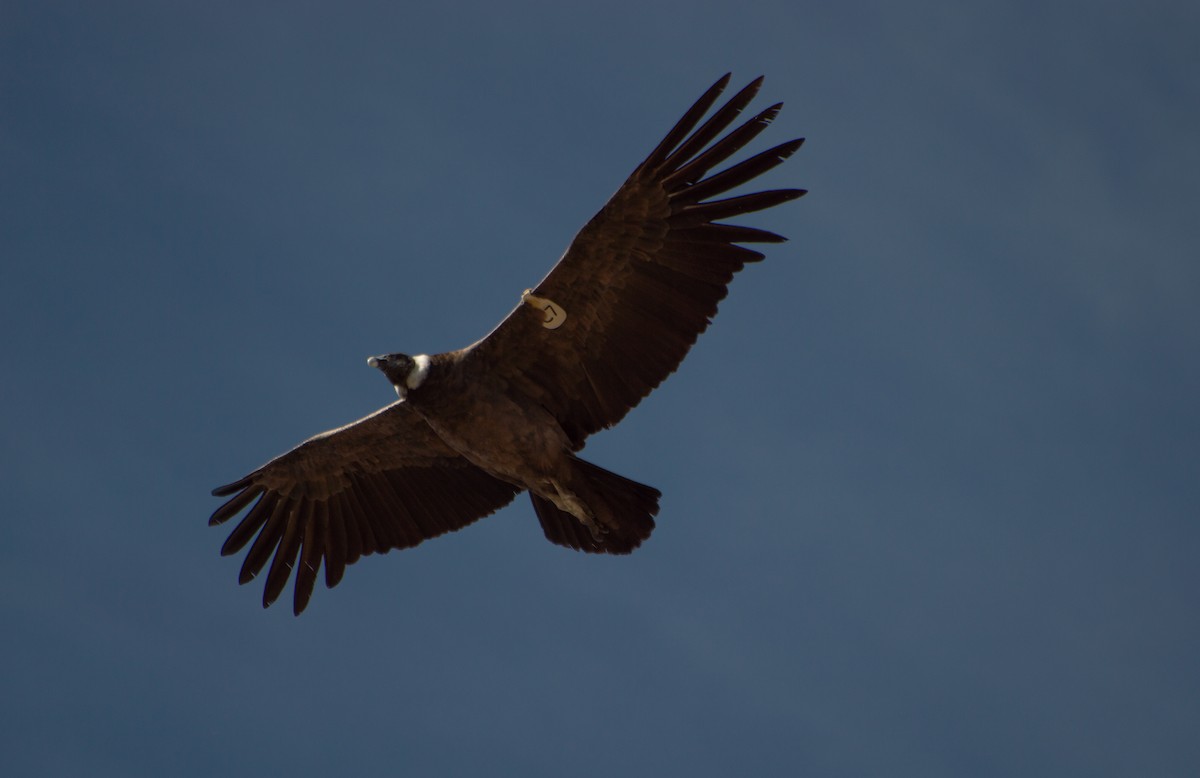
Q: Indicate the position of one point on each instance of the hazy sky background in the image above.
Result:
(930, 482)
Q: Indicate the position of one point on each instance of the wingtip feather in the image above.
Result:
(685, 124)
(236, 486)
(234, 505)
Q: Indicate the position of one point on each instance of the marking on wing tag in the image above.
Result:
(553, 315)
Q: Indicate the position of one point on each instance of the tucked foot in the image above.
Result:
(569, 501)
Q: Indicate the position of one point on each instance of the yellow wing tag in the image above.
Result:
(553, 315)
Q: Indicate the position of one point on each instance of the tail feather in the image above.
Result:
(624, 507)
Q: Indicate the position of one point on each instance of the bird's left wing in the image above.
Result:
(642, 279)
(386, 481)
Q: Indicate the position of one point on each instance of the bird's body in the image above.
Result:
(475, 427)
(501, 430)
(528, 449)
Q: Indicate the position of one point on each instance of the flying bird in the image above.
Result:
(474, 428)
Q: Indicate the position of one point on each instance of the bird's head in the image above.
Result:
(405, 372)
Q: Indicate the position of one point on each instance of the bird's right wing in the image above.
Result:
(642, 279)
(386, 481)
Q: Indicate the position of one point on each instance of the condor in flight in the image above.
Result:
(473, 428)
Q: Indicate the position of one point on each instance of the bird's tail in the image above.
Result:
(624, 510)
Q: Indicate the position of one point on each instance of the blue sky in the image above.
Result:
(930, 482)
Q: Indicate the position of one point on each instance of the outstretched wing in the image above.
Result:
(386, 481)
(642, 280)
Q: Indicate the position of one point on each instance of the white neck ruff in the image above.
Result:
(416, 376)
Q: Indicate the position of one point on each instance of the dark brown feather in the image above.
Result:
(265, 543)
(740, 173)
(385, 481)
(250, 524)
(643, 278)
(704, 213)
(689, 119)
(351, 521)
(335, 542)
(285, 555)
(720, 151)
(232, 507)
(717, 123)
(311, 551)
